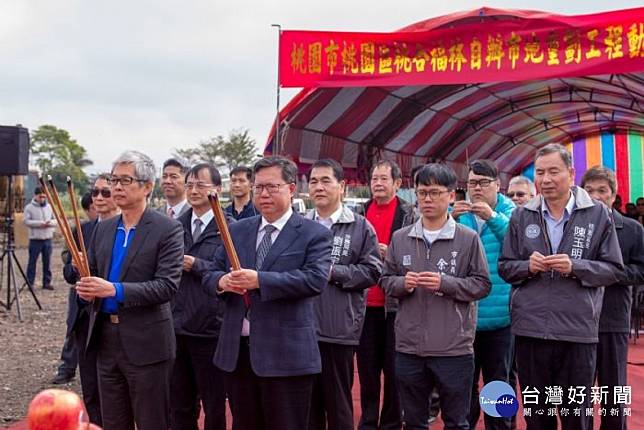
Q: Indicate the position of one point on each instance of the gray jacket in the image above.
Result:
(35, 215)
(549, 305)
(442, 323)
(340, 309)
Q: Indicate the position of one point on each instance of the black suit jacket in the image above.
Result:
(283, 341)
(150, 276)
(195, 312)
(71, 274)
(616, 308)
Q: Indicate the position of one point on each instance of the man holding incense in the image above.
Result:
(267, 345)
(136, 262)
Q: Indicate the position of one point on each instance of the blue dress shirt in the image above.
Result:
(122, 241)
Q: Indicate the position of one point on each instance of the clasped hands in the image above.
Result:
(558, 262)
(92, 287)
(428, 280)
(481, 209)
(239, 281)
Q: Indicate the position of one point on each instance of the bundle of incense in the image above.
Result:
(223, 229)
(59, 213)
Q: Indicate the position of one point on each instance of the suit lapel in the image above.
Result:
(286, 237)
(140, 234)
(246, 244)
(107, 245)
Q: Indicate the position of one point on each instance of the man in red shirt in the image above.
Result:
(387, 213)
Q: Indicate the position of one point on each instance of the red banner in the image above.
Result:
(510, 50)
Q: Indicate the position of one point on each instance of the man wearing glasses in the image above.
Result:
(197, 315)
(437, 270)
(488, 213)
(521, 190)
(136, 262)
(267, 344)
(78, 319)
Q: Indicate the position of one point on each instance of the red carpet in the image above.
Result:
(635, 380)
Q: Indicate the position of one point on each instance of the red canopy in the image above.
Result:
(505, 121)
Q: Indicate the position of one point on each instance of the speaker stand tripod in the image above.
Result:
(12, 262)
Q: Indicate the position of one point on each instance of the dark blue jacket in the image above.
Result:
(248, 211)
(283, 341)
(195, 313)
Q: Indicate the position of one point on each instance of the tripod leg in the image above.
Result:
(24, 278)
(12, 279)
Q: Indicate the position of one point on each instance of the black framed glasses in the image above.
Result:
(432, 194)
(124, 180)
(105, 192)
(484, 183)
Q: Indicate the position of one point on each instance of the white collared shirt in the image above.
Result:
(278, 224)
(176, 209)
(328, 222)
(205, 220)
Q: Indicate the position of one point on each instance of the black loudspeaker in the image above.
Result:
(14, 150)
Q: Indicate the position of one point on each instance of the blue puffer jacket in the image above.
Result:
(494, 310)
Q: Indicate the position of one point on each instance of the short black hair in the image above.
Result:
(242, 169)
(436, 174)
(86, 200)
(484, 167)
(332, 164)
(37, 191)
(415, 170)
(288, 168)
(176, 163)
(215, 176)
(396, 173)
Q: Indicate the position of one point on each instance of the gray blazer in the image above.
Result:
(150, 276)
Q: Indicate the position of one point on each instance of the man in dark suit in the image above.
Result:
(174, 191)
(136, 260)
(78, 319)
(197, 316)
(268, 345)
(614, 320)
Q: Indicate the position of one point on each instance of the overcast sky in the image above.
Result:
(157, 75)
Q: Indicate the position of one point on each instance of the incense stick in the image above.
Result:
(79, 230)
(223, 229)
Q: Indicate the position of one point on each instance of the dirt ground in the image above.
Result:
(30, 350)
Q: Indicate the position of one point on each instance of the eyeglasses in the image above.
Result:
(124, 180)
(105, 192)
(484, 183)
(519, 194)
(433, 194)
(198, 185)
(271, 188)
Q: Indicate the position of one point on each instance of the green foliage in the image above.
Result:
(58, 155)
(235, 150)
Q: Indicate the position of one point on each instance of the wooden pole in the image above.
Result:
(79, 230)
(223, 229)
